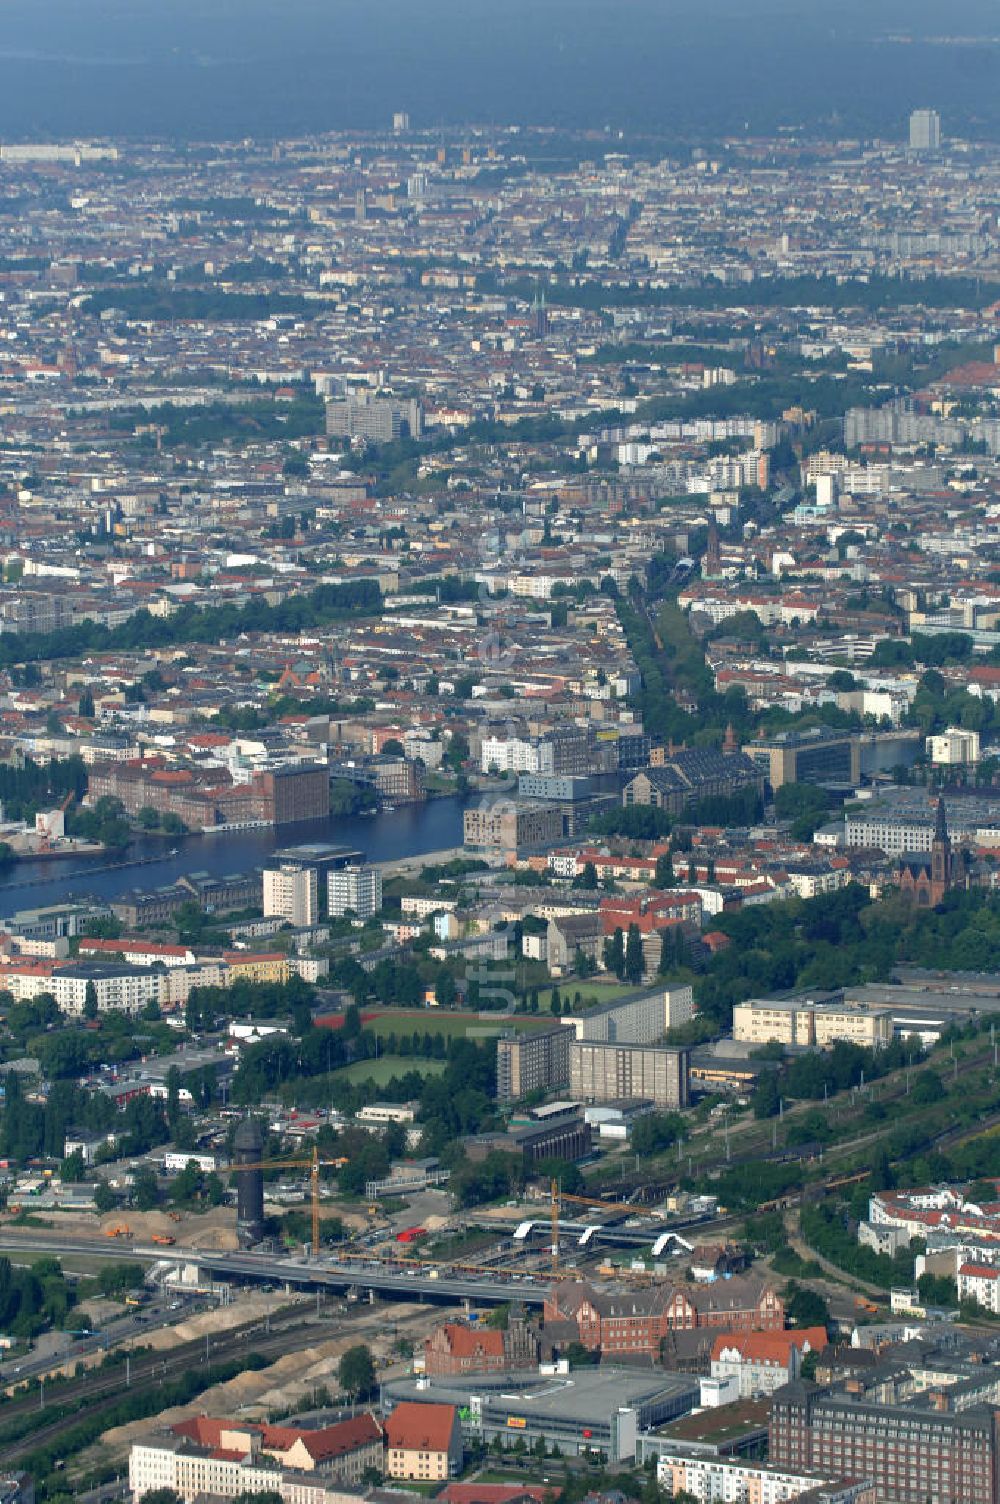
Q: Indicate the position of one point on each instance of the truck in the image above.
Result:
(163, 1239)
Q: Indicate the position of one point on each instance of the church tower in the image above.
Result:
(940, 855)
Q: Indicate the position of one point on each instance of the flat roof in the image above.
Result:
(720, 1424)
(577, 1396)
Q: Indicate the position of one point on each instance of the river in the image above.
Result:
(409, 830)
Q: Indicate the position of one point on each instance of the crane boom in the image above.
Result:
(313, 1164)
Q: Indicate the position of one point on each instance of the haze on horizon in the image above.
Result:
(666, 68)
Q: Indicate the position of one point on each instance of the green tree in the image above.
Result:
(105, 1199)
(73, 1168)
(633, 955)
(664, 876)
(90, 1001)
(145, 1190)
(614, 953)
(357, 1372)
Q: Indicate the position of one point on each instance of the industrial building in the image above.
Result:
(811, 1022)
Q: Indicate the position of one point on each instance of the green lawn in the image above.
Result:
(451, 1025)
(382, 1070)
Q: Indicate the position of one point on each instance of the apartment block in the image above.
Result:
(358, 888)
(533, 1061)
(601, 1071)
(292, 893)
(635, 1020)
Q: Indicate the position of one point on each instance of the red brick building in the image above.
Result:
(456, 1348)
(208, 796)
(637, 1321)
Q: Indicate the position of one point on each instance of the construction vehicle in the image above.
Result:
(863, 1304)
(174, 1216)
(164, 1239)
(313, 1164)
(120, 1230)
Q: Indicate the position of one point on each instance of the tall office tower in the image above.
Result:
(925, 130)
(400, 122)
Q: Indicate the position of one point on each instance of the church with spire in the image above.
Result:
(926, 876)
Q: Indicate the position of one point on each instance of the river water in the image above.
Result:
(409, 830)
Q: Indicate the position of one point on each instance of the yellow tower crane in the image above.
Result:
(313, 1164)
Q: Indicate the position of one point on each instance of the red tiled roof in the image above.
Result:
(464, 1342)
(770, 1347)
(413, 1427)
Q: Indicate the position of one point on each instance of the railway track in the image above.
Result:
(101, 1390)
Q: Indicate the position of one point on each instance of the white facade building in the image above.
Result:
(292, 893)
(356, 888)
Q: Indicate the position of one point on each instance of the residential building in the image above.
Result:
(358, 888)
(534, 1060)
(762, 1361)
(954, 747)
(980, 1283)
(509, 825)
(423, 1442)
(204, 1455)
(603, 1071)
(262, 966)
(570, 936)
(377, 419)
(292, 893)
(714, 1480)
(635, 1020)
(925, 130)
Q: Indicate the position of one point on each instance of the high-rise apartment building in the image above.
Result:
(292, 893)
(381, 420)
(605, 1072)
(535, 1061)
(925, 130)
(356, 888)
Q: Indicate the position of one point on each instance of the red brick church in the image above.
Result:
(926, 876)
